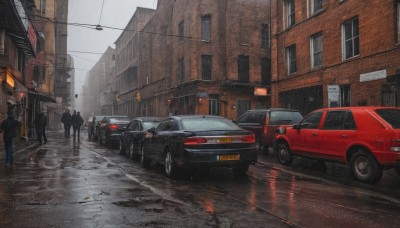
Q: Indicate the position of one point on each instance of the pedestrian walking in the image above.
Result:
(66, 119)
(40, 124)
(77, 122)
(9, 128)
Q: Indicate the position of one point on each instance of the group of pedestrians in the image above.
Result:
(75, 120)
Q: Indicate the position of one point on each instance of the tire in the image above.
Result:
(283, 154)
(133, 155)
(121, 148)
(365, 168)
(241, 169)
(145, 161)
(397, 169)
(170, 167)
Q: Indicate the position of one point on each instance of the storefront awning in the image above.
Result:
(41, 97)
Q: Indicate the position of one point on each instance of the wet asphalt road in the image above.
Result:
(81, 184)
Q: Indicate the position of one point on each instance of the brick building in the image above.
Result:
(204, 57)
(335, 52)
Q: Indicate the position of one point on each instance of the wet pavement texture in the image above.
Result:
(67, 183)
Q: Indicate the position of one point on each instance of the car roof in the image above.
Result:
(196, 116)
(358, 108)
(273, 109)
(148, 118)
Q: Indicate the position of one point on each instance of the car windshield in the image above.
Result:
(148, 125)
(119, 119)
(285, 117)
(208, 124)
(392, 116)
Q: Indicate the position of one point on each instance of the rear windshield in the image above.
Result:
(392, 116)
(285, 117)
(148, 125)
(204, 124)
(119, 119)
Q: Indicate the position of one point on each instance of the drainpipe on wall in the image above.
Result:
(2, 40)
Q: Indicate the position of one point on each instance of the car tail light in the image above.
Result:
(113, 126)
(194, 141)
(395, 145)
(249, 138)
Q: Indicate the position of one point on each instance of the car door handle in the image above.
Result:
(314, 134)
(345, 136)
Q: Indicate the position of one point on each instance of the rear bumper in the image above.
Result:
(388, 159)
(212, 157)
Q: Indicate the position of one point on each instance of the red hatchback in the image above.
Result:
(366, 138)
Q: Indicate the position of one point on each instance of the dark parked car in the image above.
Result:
(110, 129)
(199, 141)
(264, 122)
(133, 136)
(95, 126)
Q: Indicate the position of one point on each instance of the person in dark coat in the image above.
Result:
(66, 119)
(40, 124)
(9, 127)
(77, 122)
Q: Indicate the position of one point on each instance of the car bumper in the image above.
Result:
(213, 157)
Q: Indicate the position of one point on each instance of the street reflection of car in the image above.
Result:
(95, 127)
(133, 136)
(366, 138)
(110, 129)
(264, 122)
(199, 141)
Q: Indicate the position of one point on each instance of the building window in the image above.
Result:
(43, 6)
(398, 22)
(182, 69)
(266, 71)
(181, 31)
(213, 104)
(351, 39)
(242, 106)
(206, 67)
(316, 50)
(264, 35)
(316, 6)
(345, 96)
(290, 12)
(243, 68)
(206, 28)
(291, 59)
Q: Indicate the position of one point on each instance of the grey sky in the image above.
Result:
(116, 13)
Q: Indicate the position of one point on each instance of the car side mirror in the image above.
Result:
(296, 126)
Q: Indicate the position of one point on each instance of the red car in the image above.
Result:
(366, 138)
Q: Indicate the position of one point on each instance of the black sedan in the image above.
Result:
(132, 138)
(110, 129)
(199, 141)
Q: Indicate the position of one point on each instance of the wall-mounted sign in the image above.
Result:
(10, 80)
(333, 96)
(380, 74)
(258, 91)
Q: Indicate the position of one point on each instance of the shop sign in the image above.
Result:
(373, 76)
(10, 80)
(259, 91)
(333, 96)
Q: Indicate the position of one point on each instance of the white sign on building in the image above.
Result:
(371, 76)
(333, 96)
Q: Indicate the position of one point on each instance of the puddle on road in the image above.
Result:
(150, 204)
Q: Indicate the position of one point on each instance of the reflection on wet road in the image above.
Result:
(82, 184)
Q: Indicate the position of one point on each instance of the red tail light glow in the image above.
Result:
(249, 139)
(194, 141)
(113, 126)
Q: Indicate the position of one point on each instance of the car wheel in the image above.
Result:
(365, 168)
(241, 169)
(283, 154)
(132, 153)
(170, 167)
(121, 148)
(143, 159)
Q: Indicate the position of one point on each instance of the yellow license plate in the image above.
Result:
(229, 157)
(225, 140)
